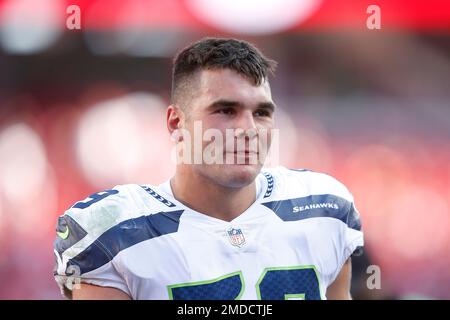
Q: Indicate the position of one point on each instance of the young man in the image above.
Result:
(217, 229)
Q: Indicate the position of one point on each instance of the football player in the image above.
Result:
(216, 229)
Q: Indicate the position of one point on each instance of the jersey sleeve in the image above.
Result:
(348, 235)
(80, 253)
(353, 235)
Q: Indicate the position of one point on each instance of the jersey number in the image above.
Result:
(93, 198)
(274, 284)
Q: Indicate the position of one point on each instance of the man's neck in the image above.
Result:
(199, 194)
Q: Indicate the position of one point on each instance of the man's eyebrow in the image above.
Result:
(267, 105)
(230, 103)
(224, 103)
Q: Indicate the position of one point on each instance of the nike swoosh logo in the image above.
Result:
(64, 235)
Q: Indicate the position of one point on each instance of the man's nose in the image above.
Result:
(245, 121)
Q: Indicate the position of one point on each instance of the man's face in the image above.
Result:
(242, 113)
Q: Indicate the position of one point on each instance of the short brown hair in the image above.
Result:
(218, 53)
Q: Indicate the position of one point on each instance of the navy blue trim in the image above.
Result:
(359, 251)
(324, 205)
(157, 196)
(269, 189)
(94, 198)
(125, 235)
(76, 233)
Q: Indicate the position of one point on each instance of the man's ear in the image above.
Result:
(175, 122)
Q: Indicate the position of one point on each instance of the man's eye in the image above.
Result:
(227, 111)
(262, 113)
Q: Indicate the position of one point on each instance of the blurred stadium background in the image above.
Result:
(83, 110)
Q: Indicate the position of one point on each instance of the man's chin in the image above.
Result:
(241, 175)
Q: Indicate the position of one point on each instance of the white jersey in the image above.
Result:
(290, 243)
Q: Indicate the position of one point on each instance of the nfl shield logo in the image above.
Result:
(236, 237)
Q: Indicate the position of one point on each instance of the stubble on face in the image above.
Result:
(227, 85)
